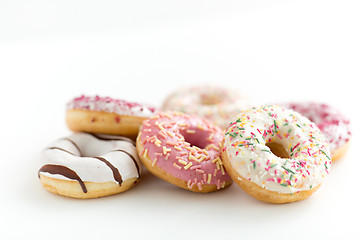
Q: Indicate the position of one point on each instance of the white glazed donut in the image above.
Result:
(216, 104)
(89, 166)
(276, 155)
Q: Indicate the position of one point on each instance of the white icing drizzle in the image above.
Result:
(78, 151)
(309, 155)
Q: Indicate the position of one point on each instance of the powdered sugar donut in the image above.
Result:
(216, 104)
(106, 115)
(89, 166)
(275, 154)
(183, 150)
(333, 124)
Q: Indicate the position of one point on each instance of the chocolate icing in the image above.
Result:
(115, 171)
(64, 171)
(76, 146)
(132, 158)
(111, 138)
(61, 149)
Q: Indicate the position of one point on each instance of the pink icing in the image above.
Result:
(332, 123)
(107, 104)
(185, 146)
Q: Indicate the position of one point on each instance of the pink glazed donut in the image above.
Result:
(183, 150)
(333, 124)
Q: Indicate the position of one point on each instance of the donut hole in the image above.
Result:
(210, 99)
(196, 137)
(277, 149)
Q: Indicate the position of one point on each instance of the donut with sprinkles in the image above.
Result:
(216, 104)
(275, 154)
(105, 115)
(333, 124)
(183, 150)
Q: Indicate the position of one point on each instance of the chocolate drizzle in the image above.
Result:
(64, 150)
(115, 171)
(105, 137)
(73, 143)
(64, 171)
(61, 149)
(132, 158)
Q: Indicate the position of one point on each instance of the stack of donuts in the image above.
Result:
(201, 140)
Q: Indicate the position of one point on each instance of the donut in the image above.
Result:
(183, 150)
(333, 124)
(275, 154)
(214, 103)
(89, 166)
(105, 115)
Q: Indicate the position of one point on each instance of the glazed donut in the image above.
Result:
(332, 123)
(276, 155)
(216, 104)
(89, 166)
(106, 116)
(183, 150)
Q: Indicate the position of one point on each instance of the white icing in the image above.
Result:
(85, 165)
(107, 104)
(245, 146)
(216, 104)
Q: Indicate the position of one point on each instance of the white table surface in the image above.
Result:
(51, 51)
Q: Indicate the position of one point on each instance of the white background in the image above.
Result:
(52, 51)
